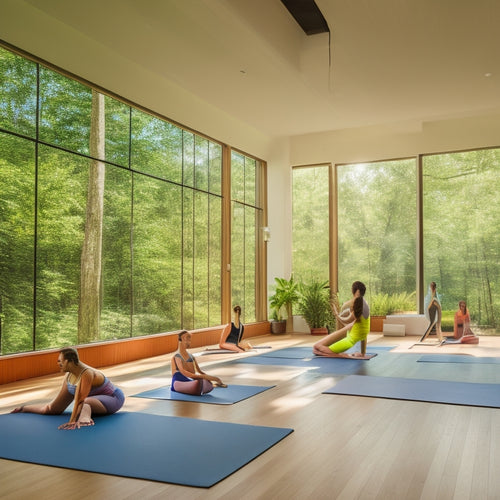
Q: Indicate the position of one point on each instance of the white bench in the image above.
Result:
(415, 324)
(393, 330)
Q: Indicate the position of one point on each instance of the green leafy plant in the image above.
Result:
(314, 304)
(286, 294)
(382, 304)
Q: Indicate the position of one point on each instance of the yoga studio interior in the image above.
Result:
(164, 161)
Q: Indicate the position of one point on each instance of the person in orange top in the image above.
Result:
(462, 321)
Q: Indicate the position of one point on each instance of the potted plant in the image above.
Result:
(314, 305)
(285, 295)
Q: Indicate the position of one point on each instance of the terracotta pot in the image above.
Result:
(377, 323)
(319, 331)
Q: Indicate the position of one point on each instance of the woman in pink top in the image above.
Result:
(462, 321)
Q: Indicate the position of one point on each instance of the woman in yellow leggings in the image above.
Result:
(345, 338)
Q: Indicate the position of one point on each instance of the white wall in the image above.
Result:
(279, 248)
(394, 141)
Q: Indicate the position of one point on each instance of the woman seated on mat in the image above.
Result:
(462, 320)
(340, 341)
(232, 334)
(461, 327)
(91, 391)
(187, 376)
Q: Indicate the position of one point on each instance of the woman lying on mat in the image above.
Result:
(91, 391)
(187, 376)
(340, 341)
(232, 334)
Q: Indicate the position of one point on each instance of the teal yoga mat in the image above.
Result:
(431, 391)
(219, 396)
(458, 358)
(177, 450)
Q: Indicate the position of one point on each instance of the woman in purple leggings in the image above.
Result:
(91, 391)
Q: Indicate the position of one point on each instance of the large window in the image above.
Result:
(462, 231)
(110, 217)
(310, 218)
(246, 219)
(382, 208)
(377, 221)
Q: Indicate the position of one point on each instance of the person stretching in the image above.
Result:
(341, 340)
(91, 391)
(187, 376)
(232, 334)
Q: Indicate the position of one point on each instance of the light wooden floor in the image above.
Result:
(342, 446)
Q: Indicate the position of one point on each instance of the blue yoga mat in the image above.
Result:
(457, 358)
(340, 366)
(431, 391)
(303, 352)
(175, 450)
(219, 396)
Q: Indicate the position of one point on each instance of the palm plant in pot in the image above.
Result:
(314, 306)
(286, 294)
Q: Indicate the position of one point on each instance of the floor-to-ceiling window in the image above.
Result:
(110, 217)
(377, 221)
(310, 223)
(246, 222)
(405, 223)
(461, 232)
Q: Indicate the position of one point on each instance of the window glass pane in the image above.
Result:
(157, 256)
(377, 220)
(201, 163)
(462, 233)
(251, 218)
(62, 195)
(17, 94)
(17, 217)
(250, 181)
(65, 111)
(245, 175)
(201, 257)
(156, 147)
(188, 218)
(237, 177)
(188, 158)
(215, 168)
(238, 255)
(214, 260)
(116, 255)
(117, 136)
(310, 232)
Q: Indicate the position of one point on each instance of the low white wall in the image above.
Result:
(415, 324)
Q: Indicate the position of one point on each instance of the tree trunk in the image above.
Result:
(90, 277)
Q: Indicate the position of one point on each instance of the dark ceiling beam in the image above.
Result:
(307, 15)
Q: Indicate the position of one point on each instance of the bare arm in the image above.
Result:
(82, 391)
(206, 375)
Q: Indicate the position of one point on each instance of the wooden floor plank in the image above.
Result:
(342, 447)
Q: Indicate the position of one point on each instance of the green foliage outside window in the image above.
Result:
(160, 242)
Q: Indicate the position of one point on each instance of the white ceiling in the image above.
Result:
(398, 62)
